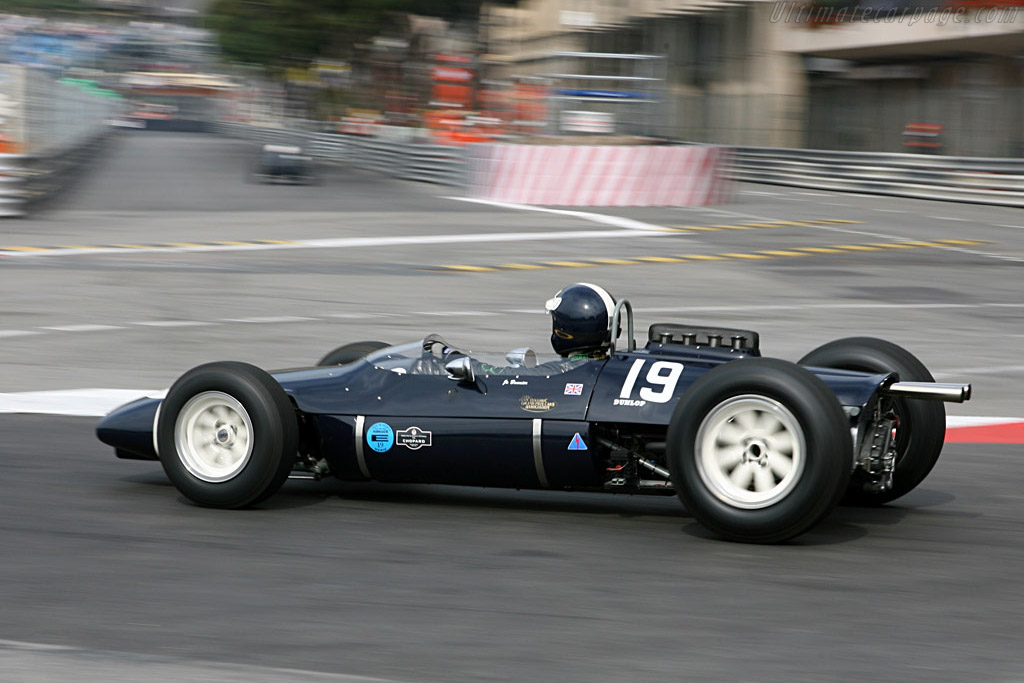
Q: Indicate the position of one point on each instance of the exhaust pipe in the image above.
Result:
(932, 391)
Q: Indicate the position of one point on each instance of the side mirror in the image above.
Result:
(460, 369)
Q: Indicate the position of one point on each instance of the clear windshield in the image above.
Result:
(429, 355)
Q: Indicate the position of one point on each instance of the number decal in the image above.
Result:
(663, 374)
(634, 372)
(667, 380)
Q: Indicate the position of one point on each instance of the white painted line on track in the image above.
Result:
(973, 421)
(172, 323)
(18, 333)
(83, 328)
(890, 210)
(991, 370)
(617, 221)
(949, 218)
(72, 402)
(629, 229)
(998, 225)
(272, 319)
(45, 663)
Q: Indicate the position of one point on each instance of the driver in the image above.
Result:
(581, 321)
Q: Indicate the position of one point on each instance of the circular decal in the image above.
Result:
(381, 437)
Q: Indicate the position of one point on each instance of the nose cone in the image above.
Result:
(129, 429)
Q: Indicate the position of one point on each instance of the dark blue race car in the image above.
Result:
(759, 450)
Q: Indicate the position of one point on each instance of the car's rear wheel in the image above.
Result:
(759, 450)
(349, 353)
(227, 435)
(922, 424)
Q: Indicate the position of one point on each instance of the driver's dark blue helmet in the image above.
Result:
(581, 319)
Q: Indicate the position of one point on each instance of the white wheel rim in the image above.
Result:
(213, 436)
(750, 451)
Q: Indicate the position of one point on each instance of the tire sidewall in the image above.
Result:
(274, 434)
(827, 449)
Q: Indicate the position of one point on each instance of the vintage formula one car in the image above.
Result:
(283, 164)
(759, 450)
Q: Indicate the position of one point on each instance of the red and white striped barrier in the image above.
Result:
(984, 430)
(646, 175)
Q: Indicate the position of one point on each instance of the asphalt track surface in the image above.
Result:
(109, 575)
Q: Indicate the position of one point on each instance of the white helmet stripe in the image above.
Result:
(609, 302)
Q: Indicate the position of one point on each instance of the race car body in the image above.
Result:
(758, 449)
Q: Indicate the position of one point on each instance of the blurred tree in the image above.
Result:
(278, 33)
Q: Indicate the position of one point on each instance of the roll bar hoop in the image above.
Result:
(615, 331)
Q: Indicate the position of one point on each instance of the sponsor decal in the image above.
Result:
(577, 443)
(493, 369)
(380, 437)
(514, 383)
(536, 405)
(573, 389)
(414, 438)
(631, 402)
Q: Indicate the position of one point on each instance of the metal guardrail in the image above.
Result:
(12, 185)
(438, 164)
(962, 179)
(28, 180)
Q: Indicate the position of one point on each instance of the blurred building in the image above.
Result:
(942, 76)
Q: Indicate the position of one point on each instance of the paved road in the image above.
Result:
(105, 560)
(441, 584)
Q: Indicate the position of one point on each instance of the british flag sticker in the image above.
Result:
(573, 389)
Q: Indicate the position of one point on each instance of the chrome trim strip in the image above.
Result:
(360, 456)
(538, 453)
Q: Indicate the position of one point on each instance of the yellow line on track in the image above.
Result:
(471, 269)
(702, 257)
(660, 259)
(614, 261)
(747, 256)
(779, 252)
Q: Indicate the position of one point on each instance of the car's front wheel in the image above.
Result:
(759, 450)
(227, 435)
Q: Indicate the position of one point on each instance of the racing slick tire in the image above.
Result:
(922, 424)
(227, 435)
(759, 450)
(350, 353)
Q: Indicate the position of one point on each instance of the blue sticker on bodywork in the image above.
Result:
(380, 437)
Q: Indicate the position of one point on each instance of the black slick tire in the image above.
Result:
(922, 428)
(238, 404)
(349, 353)
(763, 395)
